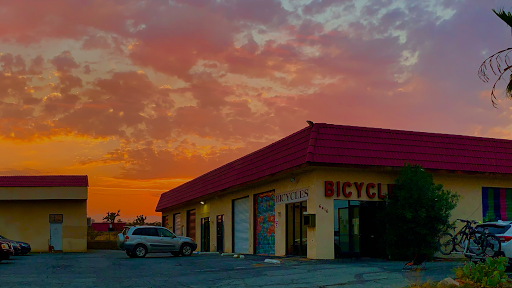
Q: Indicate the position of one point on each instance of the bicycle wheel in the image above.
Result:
(446, 244)
(477, 243)
(492, 245)
(458, 243)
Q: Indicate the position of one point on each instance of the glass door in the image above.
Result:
(296, 232)
(220, 233)
(346, 234)
(205, 234)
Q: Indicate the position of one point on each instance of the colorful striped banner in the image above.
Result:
(497, 203)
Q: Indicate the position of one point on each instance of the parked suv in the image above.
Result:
(138, 241)
(502, 229)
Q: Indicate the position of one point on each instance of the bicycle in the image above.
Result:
(470, 241)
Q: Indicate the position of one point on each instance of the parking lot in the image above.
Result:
(115, 269)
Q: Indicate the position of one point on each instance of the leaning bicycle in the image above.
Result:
(470, 241)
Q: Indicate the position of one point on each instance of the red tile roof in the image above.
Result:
(45, 181)
(339, 144)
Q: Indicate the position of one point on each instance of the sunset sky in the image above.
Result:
(143, 96)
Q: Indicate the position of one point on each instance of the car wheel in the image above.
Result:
(175, 253)
(140, 251)
(186, 249)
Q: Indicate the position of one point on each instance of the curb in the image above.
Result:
(207, 253)
(273, 261)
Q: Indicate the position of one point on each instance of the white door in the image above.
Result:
(241, 223)
(56, 236)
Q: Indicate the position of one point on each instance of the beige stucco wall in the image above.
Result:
(42, 193)
(468, 186)
(222, 204)
(320, 238)
(28, 220)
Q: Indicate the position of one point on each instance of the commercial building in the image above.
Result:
(316, 193)
(45, 211)
(107, 226)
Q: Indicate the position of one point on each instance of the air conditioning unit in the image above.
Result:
(309, 219)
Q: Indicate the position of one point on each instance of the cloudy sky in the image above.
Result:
(143, 96)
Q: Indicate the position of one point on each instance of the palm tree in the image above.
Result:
(499, 63)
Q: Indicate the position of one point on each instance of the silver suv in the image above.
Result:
(138, 241)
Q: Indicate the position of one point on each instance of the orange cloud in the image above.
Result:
(148, 94)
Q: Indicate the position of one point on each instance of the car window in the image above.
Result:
(152, 232)
(495, 229)
(165, 233)
(138, 231)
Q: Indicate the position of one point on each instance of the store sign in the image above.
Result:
(292, 196)
(347, 189)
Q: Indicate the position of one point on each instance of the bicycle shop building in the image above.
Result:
(316, 193)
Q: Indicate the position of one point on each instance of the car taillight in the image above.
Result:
(505, 239)
(5, 246)
(126, 237)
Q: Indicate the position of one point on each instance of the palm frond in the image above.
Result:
(509, 87)
(506, 17)
(508, 90)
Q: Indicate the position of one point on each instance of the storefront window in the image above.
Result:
(496, 203)
(356, 229)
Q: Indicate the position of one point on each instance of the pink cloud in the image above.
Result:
(269, 69)
(64, 62)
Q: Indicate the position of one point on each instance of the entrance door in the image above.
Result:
(241, 225)
(191, 224)
(372, 231)
(220, 233)
(205, 234)
(346, 236)
(56, 236)
(56, 221)
(265, 232)
(296, 232)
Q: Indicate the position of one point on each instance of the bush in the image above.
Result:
(491, 273)
(416, 213)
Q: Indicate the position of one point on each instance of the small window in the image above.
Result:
(165, 233)
(56, 218)
(165, 221)
(176, 227)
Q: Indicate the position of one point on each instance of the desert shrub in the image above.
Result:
(490, 273)
(417, 211)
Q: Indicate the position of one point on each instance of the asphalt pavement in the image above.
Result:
(115, 269)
